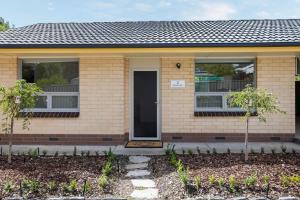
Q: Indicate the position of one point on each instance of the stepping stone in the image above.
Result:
(138, 173)
(136, 166)
(138, 159)
(145, 194)
(144, 183)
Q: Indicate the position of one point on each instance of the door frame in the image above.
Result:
(131, 104)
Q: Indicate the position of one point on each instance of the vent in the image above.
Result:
(220, 138)
(275, 138)
(107, 139)
(176, 138)
(53, 139)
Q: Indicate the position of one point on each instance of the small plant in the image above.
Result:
(179, 165)
(52, 186)
(266, 179)
(183, 151)
(173, 159)
(75, 151)
(273, 151)
(284, 181)
(228, 151)
(56, 154)
(107, 168)
(232, 183)
(33, 153)
(250, 181)
(168, 150)
(82, 153)
(103, 182)
(211, 180)
(183, 175)
(221, 182)
(294, 151)
(44, 152)
(73, 186)
(65, 188)
(262, 150)
(214, 151)
(208, 151)
(198, 182)
(295, 180)
(111, 156)
(283, 148)
(8, 187)
(87, 187)
(190, 152)
(31, 185)
(198, 150)
(87, 154)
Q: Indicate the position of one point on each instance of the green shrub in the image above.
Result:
(266, 179)
(110, 155)
(65, 188)
(8, 186)
(73, 186)
(208, 151)
(232, 183)
(190, 152)
(56, 154)
(211, 179)
(197, 182)
(52, 186)
(33, 153)
(179, 165)
(32, 186)
(183, 176)
(107, 168)
(250, 181)
(173, 159)
(295, 180)
(284, 181)
(103, 182)
(221, 182)
(87, 187)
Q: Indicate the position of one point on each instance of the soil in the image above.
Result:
(224, 165)
(62, 169)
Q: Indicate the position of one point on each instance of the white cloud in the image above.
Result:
(207, 10)
(143, 7)
(103, 5)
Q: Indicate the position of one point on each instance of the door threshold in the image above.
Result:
(144, 144)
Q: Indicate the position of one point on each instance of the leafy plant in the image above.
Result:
(111, 156)
(73, 186)
(211, 180)
(232, 183)
(97, 153)
(173, 159)
(103, 182)
(273, 151)
(32, 186)
(266, 179)
(283, 148)
(20, 98)
(33, 153)
(56, 154)
(197, 182)
(190, 152)
(262, 150)
(228, 151)
(52, 186)
(250, 181)
(87, 187)
(252, 100)
(221, 182)
(8, 186)
(183, 175)
(4, 25)
(65, 188)
(284, 181)
(295, 180)
(82, 153)
(107, 168)
(44, 152)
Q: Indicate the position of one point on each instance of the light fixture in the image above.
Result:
(178, 65)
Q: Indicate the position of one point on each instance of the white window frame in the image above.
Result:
(225, 106)
(49, 95)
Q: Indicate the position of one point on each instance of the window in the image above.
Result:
(58, 79)
(213, 82)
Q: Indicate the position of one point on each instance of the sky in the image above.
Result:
(26, 12)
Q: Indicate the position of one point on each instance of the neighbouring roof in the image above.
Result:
(281, 32)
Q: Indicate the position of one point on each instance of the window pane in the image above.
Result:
(53, 76)
(209, 102)
(223, 77)
(41, 102)
(65, 102)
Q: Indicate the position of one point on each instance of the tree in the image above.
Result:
(4, 25)
(252, 100)
(15, 100)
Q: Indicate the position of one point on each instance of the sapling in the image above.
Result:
(221, 182)
(103, 182)
(211, 180)
(8, 187)
(232, 183)
(73, 186)
(52, 186)
(198, 182)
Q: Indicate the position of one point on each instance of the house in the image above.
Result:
(110, 82)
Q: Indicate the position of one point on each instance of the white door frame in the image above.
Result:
(131, 104)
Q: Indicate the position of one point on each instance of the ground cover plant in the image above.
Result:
(227, 174)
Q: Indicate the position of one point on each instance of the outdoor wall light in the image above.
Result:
(178, 65)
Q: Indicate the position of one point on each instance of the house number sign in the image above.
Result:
(177, 83)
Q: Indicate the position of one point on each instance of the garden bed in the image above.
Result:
(278, 167)
(37, 173)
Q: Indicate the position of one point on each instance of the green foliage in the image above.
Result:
(211, 179)
(4, 25)
(107, 168)
(8, 186)
(183, 175)
(232, 183)
(52, 186)
(73, 186)
(173, 159)
(286, 181)
(33, 153)
(266, 179)
(251, 99)
(111, 156)
(31, 186)
(87, 187)
(65, 188)
(250, 181)
(197, 182)
(190, 152)
(103, 182)
(221, 182)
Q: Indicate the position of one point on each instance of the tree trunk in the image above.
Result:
(10, 140)
(246, 140)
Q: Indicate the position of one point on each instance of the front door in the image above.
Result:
(145, 105)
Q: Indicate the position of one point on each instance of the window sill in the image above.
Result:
(53, 114)
(221, 114)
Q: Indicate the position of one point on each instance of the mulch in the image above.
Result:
(224, 165)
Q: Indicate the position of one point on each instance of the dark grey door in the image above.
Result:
(145, 104)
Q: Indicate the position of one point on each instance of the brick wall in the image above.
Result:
(101, 99)
(273, 73)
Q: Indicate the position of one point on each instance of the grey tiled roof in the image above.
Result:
(284, 32)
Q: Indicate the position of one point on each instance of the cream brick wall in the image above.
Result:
(101, 99)
(275, 74)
